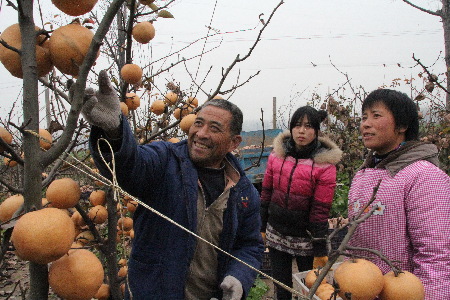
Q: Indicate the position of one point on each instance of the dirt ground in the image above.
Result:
(270, 293)
(13, 277)
(14, 280)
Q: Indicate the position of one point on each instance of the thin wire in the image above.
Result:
(207, 34)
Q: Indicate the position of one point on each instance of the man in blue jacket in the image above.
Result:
(197, 183)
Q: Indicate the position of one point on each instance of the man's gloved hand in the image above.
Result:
(232, 288)
(101, 108)
(319, 261)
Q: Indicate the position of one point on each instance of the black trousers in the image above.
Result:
(281, 263)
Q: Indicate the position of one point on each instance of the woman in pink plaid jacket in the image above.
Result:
(411, 225)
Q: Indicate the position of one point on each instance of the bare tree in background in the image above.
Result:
(444, 14)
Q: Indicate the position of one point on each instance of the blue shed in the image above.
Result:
(250, 156)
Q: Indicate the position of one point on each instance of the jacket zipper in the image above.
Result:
(286, 198)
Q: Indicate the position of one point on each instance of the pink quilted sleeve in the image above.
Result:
(428, 215)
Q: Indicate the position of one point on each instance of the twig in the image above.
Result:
(347, 82)
(92, 227)
(378, 253)
(434, 13)
(238, 59)
(235, 87)
(225, 74)
(206, 40)
(129, 43)
(48, 84)
(7, 148)
(156, 10)
(199, 86)
(77, 95)
(56, 167)
(14, 289)
(429, 74)
(6, 45)
(10, 187)
(9, 3)
(352, 225)
(258, 162)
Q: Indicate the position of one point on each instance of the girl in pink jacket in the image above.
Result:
(411, 225)
(296, 197)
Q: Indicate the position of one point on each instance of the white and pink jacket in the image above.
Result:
(412, 223)
(297, 194)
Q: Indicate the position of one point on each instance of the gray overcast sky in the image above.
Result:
(366, 39)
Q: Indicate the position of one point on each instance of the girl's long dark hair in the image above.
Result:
(315, 117)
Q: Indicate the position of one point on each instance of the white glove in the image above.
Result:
(101, 108)
(232, 288)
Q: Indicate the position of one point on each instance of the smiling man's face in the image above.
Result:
(210, 138)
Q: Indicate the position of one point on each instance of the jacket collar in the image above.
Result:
(407, 154)
(182, 152)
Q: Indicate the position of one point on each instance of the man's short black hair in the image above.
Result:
(236, 113)
(402, 108)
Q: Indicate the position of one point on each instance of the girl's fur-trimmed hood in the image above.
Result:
(330, 152)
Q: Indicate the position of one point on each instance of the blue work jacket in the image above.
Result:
(162, 175)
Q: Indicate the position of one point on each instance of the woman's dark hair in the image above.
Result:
(402, 108)
(315, 117)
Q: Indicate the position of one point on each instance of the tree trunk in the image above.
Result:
(111, 245)
(446, 26)
(32, 168)
(122, 36)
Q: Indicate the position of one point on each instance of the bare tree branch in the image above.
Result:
(56, 167)
(226, 73)
(434, 13)
(235, 87)
(429, 74)
(10, 187)
(379, 254)
(258, 162)
(7, 148)
(6, 45)
(60, 92)
(199, 86)
(9, 3)
(238, 59)
(129, 43)
(352, 225)
(156, 10)
(91, 226)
